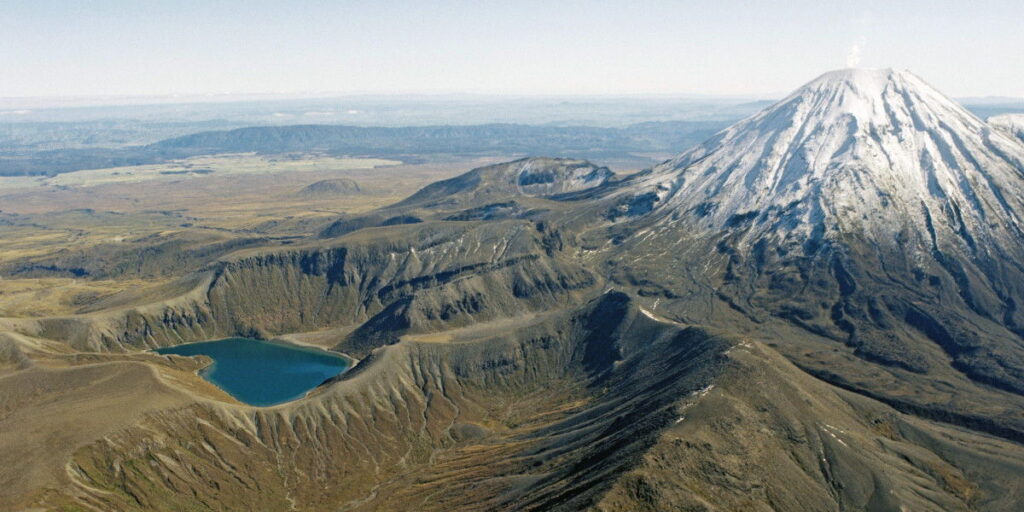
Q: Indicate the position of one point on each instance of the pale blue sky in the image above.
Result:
(140, 47)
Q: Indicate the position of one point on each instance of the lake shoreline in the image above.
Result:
(264, 373)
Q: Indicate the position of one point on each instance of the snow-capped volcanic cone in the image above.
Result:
(856, 149)
(866, 206)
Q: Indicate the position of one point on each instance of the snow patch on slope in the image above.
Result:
(1010, 124)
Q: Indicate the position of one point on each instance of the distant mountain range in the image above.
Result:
(488, 139)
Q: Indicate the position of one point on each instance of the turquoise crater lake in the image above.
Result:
(263, 373)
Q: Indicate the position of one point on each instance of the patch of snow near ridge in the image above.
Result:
(1011, 124)
(568, 176)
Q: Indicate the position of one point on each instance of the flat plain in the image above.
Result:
(203, 202)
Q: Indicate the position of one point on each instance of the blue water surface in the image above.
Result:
(263, 373)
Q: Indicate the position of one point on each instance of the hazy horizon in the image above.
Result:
(51, 102)
(120, 49)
